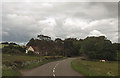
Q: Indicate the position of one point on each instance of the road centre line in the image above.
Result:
(53, 74)
(55, 68)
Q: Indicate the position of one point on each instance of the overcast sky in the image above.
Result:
(23, 20)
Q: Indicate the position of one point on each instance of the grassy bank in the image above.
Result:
(95, 68)
(30, 66)
(7, 71)
(13, 63)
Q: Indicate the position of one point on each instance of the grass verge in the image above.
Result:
(95, 68)
(11, 64)
(34, 65)
(10, 72)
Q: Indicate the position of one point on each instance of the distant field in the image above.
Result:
(95, 68)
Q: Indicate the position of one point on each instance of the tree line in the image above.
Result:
(91, 47)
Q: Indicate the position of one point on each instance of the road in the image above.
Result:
(57, 68)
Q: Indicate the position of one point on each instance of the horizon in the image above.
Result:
(25, 43)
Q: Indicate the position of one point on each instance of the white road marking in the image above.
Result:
(53, 74)
(55, 68)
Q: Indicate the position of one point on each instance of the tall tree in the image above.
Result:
(42, 37)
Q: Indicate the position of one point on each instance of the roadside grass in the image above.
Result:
(95, 68)
(0, 46)
(11, 58)
(11, 64)
(8, 59)
(34, 65)
(10, 72)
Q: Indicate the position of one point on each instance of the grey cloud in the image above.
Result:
(24, 20)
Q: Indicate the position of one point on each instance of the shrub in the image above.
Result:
(31, 53)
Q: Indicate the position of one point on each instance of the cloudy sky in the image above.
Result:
(23, 20)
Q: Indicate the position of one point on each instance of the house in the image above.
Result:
(32, 48)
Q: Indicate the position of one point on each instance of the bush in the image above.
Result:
(13, 49)
(31, 53)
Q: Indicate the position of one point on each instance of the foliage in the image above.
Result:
(98, 48)
(31, 53)
(92, 47)
(11, 49)
(42, 37)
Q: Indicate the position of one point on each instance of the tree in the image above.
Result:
(91, 47)
(4, 43)
(68, 47)
(12, 43)
(76, 46)
(31, 42)
(98, 48)
(42, 37)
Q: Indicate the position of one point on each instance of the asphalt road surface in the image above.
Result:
(57, 68)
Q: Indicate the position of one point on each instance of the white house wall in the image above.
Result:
(30, 49)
